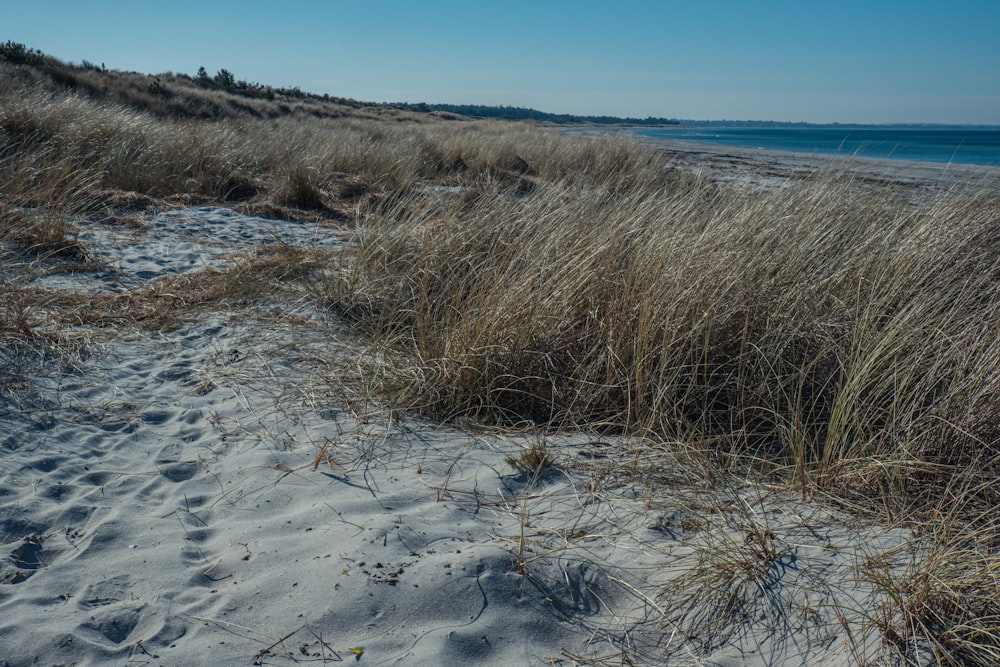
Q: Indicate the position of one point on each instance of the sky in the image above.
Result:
(849, 61)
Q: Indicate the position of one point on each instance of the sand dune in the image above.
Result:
(208, 494)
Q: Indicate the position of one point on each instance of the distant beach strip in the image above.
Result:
(691, 149)
(979, 145)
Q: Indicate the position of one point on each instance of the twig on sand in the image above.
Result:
(264, 651)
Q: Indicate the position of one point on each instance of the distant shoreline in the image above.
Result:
(736, 163)
(941, 145)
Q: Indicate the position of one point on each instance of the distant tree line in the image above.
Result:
(227, 81)
(18, 54)
(521, 113)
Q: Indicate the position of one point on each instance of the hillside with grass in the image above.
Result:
(835, 336)
(522, 113)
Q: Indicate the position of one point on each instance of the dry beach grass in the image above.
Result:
(822, 340)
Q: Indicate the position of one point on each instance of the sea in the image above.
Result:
(945, 144)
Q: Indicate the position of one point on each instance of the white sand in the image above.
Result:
(162, 503)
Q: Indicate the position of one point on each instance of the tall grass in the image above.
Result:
(40, 193)
(239, 159)
(849, 338)
(64, 149)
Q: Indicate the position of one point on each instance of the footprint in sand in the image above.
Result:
(26, 559)
(179, 472)
(112, 625)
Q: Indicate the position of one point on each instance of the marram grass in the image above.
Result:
(850, 338)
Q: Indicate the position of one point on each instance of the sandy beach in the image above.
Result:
(742, 166)
(214, 493)
(747, 163)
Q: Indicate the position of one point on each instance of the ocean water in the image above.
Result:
(972, 145)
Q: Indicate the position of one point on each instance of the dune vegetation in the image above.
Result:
(829, 334)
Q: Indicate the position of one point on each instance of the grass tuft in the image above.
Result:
(533, 461)
(299, 188)
(938, 594)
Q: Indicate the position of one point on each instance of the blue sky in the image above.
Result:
(875, 61)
